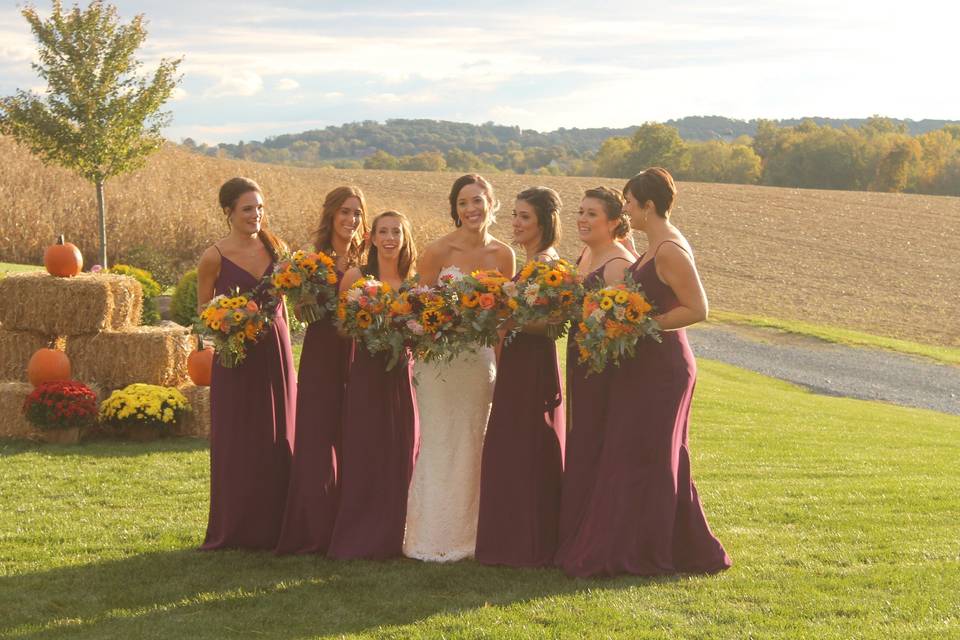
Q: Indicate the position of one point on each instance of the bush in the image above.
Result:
(61, 405)
(151, 289)
(159, 265)
(183, 306)
(144, 404)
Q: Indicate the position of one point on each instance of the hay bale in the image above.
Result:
(84, 304)
(114, 359)
(197, 422)
(16, 347)
(12, 422)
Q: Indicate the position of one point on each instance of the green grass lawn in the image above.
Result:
(841, 517)
(10, 267)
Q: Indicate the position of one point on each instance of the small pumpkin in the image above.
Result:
(62, 259)
(200, 364)
(48, 365)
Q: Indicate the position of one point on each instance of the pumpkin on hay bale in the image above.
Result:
(13, 424)
(197, 422)
(115, 359)
(16, 349)
(83, 304)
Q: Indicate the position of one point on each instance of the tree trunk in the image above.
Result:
(102, 210)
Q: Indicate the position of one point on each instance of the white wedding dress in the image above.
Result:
(453, 403)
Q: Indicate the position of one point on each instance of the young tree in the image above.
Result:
(100, 117)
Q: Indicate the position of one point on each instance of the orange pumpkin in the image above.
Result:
(48, 365)
(62, 259)
(200, 364)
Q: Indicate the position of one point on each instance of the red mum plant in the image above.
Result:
(61, 405)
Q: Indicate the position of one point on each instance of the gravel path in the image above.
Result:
(832, 369)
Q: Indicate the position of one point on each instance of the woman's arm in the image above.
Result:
(207, 271)
(428, 264)
(352, 275)
(676, 268)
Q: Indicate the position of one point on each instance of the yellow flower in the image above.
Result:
(553, 278)
(237, 316)
(470, 300)
(224, 303)
(363, 319)
(606, 303)
(512, 303)
(621, 297)
(331, 277)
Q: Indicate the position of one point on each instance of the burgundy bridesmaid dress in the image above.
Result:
(314, 490)
(252, 410)
(380, 442)
(586, 410)
(522, 462)
(643, 515)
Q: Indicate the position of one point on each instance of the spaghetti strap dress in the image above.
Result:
(643, 515)
(252, 422)
(522, 463)
(314, 491)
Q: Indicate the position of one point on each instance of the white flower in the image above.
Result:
(415, 327)
(450, 273)
(619, 313)
(510, 288)
(597, 315)
(353, 295)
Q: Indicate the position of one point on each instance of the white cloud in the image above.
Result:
(287, 84)
(178, 93)
(236, 83)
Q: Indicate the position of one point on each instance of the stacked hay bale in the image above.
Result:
(95, 319)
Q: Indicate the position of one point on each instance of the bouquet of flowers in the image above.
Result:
(233, 320)
(614, 318)
(545, 292)
(427, 317)
(144, 404)
(309, 281)
(481, 305)
(364, 314)
(61, 405)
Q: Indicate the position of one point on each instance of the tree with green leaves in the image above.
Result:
(100, 116)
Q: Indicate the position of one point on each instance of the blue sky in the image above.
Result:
(256, 69)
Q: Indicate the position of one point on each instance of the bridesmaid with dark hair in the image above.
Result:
(252, 406)
(522, 461)
(380, 427)
(602, 225)
(643, 515)
(314, 489)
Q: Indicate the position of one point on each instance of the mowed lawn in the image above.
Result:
(841, 517)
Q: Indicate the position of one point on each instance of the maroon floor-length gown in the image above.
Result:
(380, 444)
(314, 490)
(522, 462)
(586, 409)
(643, 514)
(252, 411)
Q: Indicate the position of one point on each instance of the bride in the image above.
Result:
(453, 398)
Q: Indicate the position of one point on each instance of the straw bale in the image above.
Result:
(83, 304)
(197, 422)
(114, 359)
(12, 422)
(16, 347)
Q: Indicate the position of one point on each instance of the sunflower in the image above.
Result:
(606, 303)
(566, 297)
(632, 314)
(237, 316)
(470, 300)
(363, 319)
(553, 278)
(430, 319)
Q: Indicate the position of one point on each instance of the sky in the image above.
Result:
(256, 69)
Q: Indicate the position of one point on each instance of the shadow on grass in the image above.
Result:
(196, 594)
(102, 447)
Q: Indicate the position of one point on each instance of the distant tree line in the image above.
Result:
(877, 154)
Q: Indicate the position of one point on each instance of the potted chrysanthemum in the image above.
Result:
(61, 409)
(144, 411)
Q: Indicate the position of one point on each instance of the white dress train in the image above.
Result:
(453, 401)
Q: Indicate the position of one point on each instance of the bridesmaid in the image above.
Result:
(523, 449)
(314, 489)
(643, 515)
(380, 429)
(602, 226)
(252, 406)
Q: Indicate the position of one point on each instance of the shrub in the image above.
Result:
(183, 306)
(151, 289)
(61, 405)
(159, 265)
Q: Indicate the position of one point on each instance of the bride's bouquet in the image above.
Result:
(481, 304)
(234, 321)
(614, 318)
(427, 316)
(363, 313)
(545, 293)
(309, 281)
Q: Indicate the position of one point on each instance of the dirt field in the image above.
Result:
(887, 264)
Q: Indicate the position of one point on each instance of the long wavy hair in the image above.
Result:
(546, 202)
(230, 192)
(408, 252)
(323, 236)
